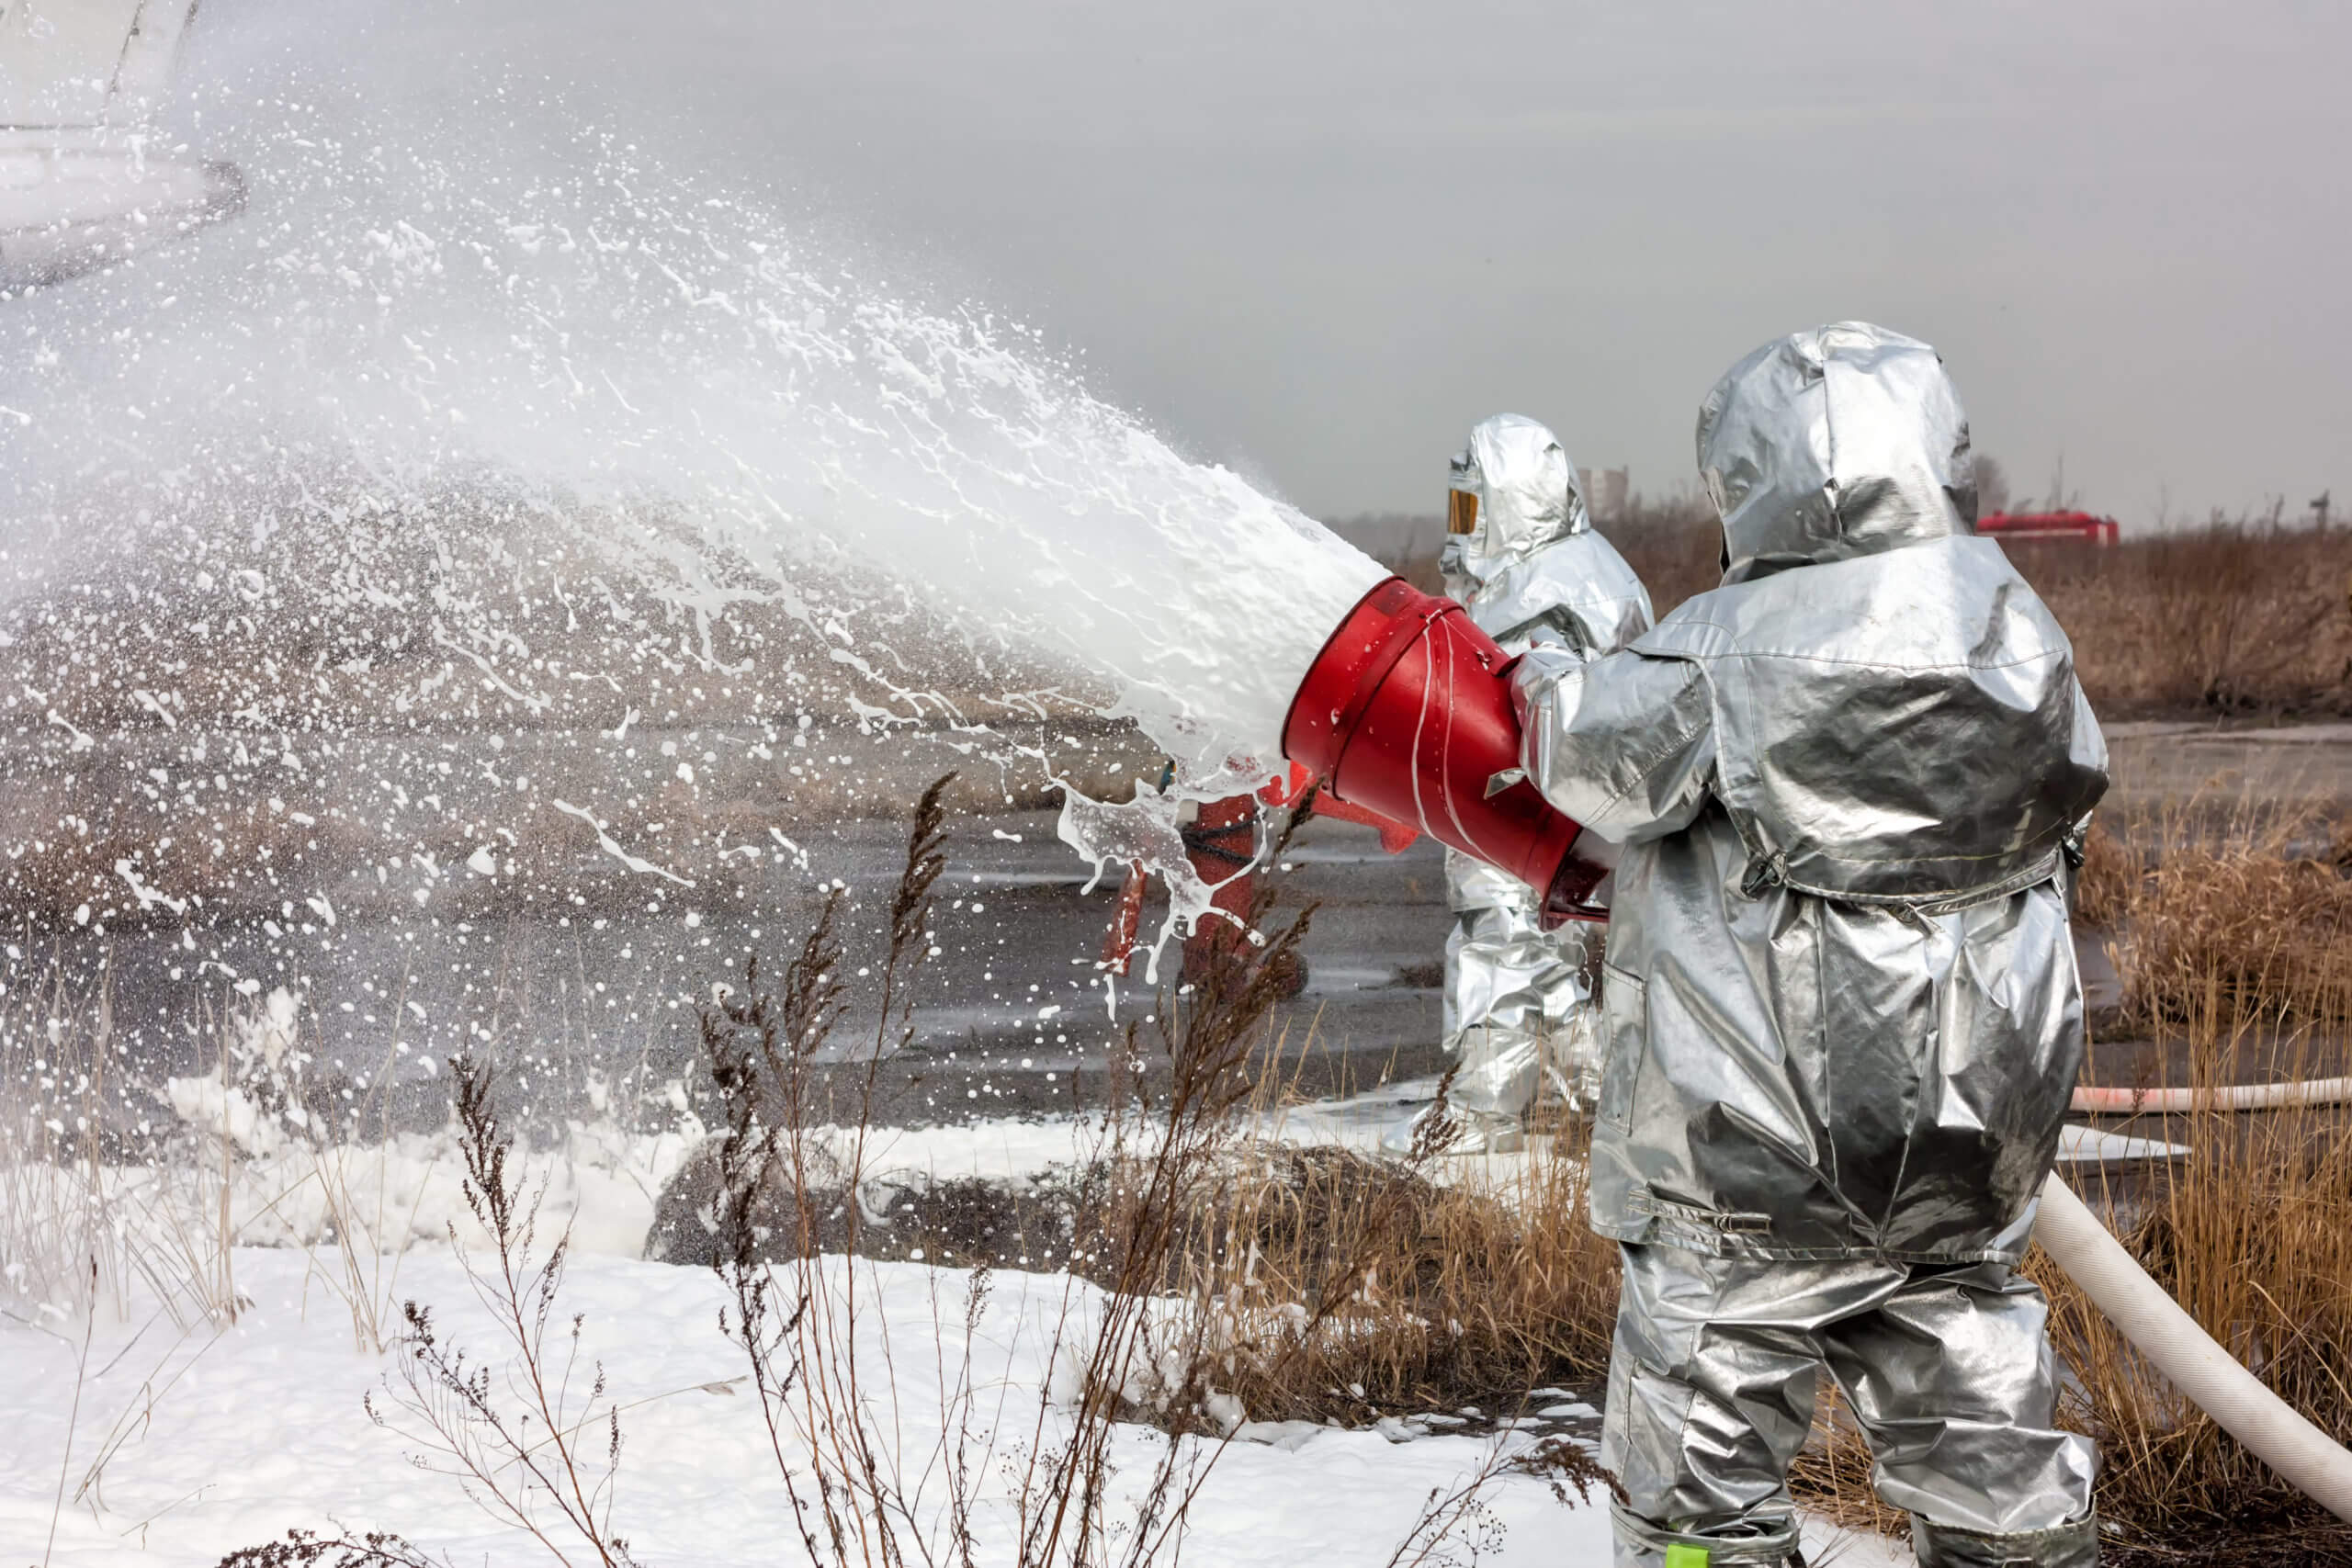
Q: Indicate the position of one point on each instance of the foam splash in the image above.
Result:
(440, 377)
(666, 367)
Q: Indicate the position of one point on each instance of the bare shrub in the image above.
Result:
(831, 1416)
(1135, 1335)
(344, 1549)
(524, 1440)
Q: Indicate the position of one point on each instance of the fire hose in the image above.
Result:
(1407, 713)
(2091, 1101)
(2270, 1428)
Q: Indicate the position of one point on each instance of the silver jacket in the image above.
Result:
(1532, 572)
(1842, 1008)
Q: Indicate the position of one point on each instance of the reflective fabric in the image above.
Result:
(1948, 1371)
(1845, 440)
(1901, 725)
(1841, 1002)
(1518, 1009)
(1533, 570)
(1530, 571)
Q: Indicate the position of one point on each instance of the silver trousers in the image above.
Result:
(1947, 1370)
(1516, 1003)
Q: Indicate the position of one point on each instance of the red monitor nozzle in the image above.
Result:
(1407, 712)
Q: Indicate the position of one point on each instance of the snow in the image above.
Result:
(1009, 1149)
(228, 1441)
(264, 1430)
(212, 1441)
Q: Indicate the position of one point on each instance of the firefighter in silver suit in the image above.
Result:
(1521, 556)
(1842, 1013)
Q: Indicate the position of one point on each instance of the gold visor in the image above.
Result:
(1461, 511)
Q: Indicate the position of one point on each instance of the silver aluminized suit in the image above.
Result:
(1841, 1002)
(1531, 572)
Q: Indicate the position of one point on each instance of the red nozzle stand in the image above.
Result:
(1407, 712)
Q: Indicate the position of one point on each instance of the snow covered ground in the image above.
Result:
(155, 1442)
(1014, 1147)
(173, 1446)
(209, 1443)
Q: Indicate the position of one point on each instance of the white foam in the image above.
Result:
(532, 315)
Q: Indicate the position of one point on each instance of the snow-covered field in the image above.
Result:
(212, 1442)
(233, 1440)
(139, 1440)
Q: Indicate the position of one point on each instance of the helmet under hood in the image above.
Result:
(1527, 497)
(1843, 441)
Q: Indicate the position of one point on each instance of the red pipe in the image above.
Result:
(1222, 844)
(1126, 921)
(1407, 712)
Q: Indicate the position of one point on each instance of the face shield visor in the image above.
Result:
(1461, 513)
(1460, 499)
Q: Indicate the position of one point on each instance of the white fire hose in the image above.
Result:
(2098, 1101)
(2270, 1428)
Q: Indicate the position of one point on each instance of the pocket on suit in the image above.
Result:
(1625, 1007)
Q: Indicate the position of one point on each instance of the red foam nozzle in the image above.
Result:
(1407, 712)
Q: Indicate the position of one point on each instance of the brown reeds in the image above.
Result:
(2233, 942)
(2252, 1233)
(2260, 940)
(2228, 618)
(1353, 1288)
(2225, 924)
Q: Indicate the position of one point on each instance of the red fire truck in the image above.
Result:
(2068, 527)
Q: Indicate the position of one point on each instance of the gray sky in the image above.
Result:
(1317, 240)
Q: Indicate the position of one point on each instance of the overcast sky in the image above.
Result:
(1316, 241)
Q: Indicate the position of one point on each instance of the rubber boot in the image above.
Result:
(1643, 1544)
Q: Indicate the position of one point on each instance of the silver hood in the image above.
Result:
(1843, 441)
(1534, 570)
(1527, 493)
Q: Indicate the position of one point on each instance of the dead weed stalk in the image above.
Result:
(533, 1451)
(1136, 1332)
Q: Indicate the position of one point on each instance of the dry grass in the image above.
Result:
(2227, 925)
(2106, 881)
(2227, 618)
(2252, 1234)
(2234, 945)
(1454, 1295)
(2256, 939)
(2235, 950)
(2232, 940)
